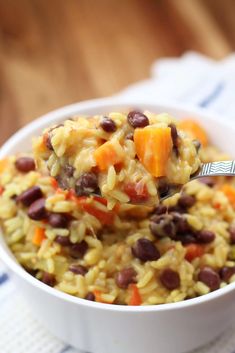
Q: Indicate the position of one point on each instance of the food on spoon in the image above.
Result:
(110, 155)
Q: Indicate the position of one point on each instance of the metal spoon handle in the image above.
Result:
(223, 168)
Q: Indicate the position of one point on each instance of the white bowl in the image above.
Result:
(102, 328)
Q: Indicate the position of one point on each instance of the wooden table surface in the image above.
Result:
(56, 52)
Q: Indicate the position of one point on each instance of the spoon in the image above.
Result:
(223, 168)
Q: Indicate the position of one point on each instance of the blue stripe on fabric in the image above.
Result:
(65, 349)
(3, 278)
(212, 96)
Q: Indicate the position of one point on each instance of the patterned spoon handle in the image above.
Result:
(224, 168)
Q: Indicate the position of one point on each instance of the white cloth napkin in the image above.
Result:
(193, 79)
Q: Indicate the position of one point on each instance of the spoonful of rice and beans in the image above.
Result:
(135, 158)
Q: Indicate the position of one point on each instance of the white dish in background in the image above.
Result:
(103, 328)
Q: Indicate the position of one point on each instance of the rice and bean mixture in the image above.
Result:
(124, 158)
(126, 254)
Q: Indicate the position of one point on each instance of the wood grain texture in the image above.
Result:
(58, 52)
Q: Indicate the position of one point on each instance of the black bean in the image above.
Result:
(183, 227)
(175, 138)
(211, 278)
(160, 209)
(232, 233)
(188, 297)
(137, 119)
(31, 271)
(186, 238)
(163, 187)
(48, 142)
(63, 181)
(64, 178)
(186, 201)
(37, 210)
(163, 226)
(209, 181)
(179, 218)
(125, 277)
(29, 196)
(176, 208)
(25, 164)
(196, 172)
(60, 125)
(174, 134)
(226, 273)
(78, 269)
(77, 251)
(49, 279)
(58, 220)
(170, 279)
(108, 125)
(86, 184)
(173, 225)
(68, 170)
(145, 250)
(48, 137)
(169, 229)
(130, 136)
(197, 144)
(181, 223)
(63, 240)
(205, 236)
(90, 296)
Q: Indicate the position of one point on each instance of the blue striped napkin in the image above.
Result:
(194, 79)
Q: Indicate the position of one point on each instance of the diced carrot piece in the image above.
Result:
(136, 192)
(54, 183)
(45, 138)
(97, 294)
(217, 205)
(135, 295)
(79, 200)
(118, 167)
(1, 190)
(105, 202)
(193, 251)
(98, 297)
(116, 208)
(71, 195)
(3, 164)
(106, 218)
(102, 200)
(229, 191)
(41, 145)
(39, 236)
(109, 153)
(194, 129)
(61, 191)
(153, 146)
